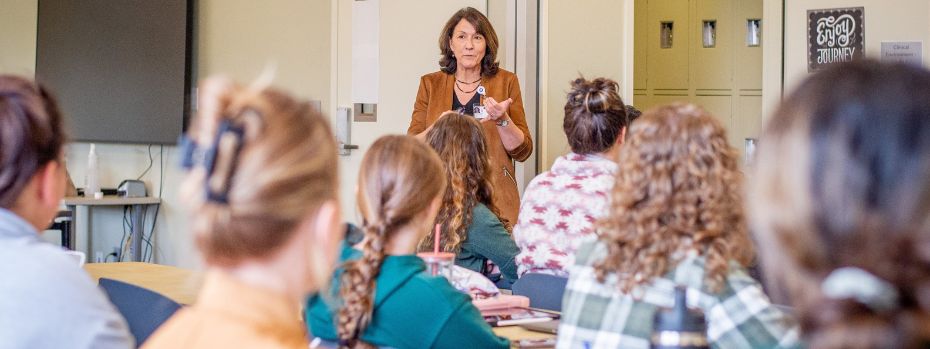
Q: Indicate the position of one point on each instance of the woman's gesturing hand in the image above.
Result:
(496, 110)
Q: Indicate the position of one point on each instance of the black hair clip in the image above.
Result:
(220, 159)
(191, 154)
(220, 165)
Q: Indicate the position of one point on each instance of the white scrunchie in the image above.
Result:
(858, 284)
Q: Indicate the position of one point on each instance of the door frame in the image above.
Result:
(773, 56)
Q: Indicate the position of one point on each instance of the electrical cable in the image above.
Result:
(145, 211)
(124, 242)
(151, 161)
(161, 186)
(147, 249)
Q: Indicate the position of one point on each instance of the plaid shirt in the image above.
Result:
(596, 315)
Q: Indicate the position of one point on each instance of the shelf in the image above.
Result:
(110, 201)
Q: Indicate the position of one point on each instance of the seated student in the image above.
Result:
(560, 206)
(844, 227)
(471, 227)
(387, 297)
(265, 216)
(46, 299)
(675, 218)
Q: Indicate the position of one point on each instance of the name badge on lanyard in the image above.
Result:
(479, 110)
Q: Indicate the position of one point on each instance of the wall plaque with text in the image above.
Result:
(902, 52)
(834, 36)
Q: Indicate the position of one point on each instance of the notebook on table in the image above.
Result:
(517, 316)
(550, 327)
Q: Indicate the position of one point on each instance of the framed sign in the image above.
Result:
(834, 36)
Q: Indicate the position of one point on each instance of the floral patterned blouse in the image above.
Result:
(559, 210)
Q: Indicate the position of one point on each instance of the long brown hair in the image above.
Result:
(489, 64)
(841, 181)
(31, 134)
(462, 146)
(677, 188)
(286, 169)
(399, 178)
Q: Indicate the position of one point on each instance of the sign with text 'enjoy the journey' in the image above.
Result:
(834, 36)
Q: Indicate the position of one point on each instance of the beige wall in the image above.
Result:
(577, 38)
(18, 36)
(899, 20)
(237, 38)
(497, 12)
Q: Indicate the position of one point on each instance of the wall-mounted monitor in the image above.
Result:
(121, 69)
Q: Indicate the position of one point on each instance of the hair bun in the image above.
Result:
(594, 115)
(584, 91)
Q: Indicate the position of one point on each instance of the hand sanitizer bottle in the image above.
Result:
(92, 183)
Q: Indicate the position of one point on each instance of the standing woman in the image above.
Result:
(470, 81)
(265, 217)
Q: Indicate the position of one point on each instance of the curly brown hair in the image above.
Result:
(677, 189)
(399, 178)
(462, 147)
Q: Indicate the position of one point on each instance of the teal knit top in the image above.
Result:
(412, 310)
(488, 240)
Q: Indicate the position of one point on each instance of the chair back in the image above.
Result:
(544, 291)
(143, 309)
(63, 223)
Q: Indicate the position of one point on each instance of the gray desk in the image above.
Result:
(138, 206)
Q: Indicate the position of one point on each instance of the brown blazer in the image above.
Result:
(435, 97)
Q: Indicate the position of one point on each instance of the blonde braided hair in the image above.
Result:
(399, 178)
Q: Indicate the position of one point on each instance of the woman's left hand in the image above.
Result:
(496, 110)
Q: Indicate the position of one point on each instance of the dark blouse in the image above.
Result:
(469, 107)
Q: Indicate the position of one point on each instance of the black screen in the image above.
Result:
(119, 68)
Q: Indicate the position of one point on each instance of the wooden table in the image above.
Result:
(515, 333)
(181, 285)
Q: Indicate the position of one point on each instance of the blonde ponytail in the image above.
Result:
(254, 182)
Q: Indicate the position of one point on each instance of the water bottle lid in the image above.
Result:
(679, 318)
